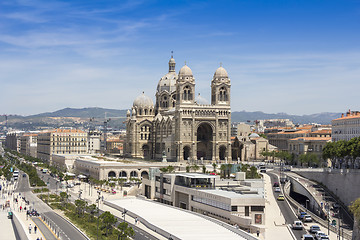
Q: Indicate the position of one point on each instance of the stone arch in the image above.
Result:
(186, 152)
(111, 174)
(146, 151)
(222, 152)
(134, 174)
(123, 174)
(204, 134)
(144, 174)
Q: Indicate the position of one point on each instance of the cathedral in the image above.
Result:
(181, 126)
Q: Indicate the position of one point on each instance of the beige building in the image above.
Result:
(304, 145)
(281, 139)
(181, 126)
(61, 141)
(235, 202)
(346, 127)
(28, 144)
(106, 169)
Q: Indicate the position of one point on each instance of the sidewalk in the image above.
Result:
(21, 216)
(275, 227)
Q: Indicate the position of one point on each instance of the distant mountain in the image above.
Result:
(92, 112)
(321, 118)
(66, 118)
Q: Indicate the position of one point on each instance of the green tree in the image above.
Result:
(121, 182)
(195, 167)
(63, 197)
(164, 169)
(203, 169)
(188, 168)
(80, 206)
(92, 210)
(107, 221)
(214, 165)
(125, 232)
(170, 169)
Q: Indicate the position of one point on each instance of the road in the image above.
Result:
(285, 208)
(54, 185)
(66, 230)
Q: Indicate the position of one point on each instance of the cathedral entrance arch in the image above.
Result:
(222, 152)
(204, 141)
(186, 153)
(146, 151)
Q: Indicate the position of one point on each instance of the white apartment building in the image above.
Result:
(346, 127)
(235, 202)
(94, 142)
(61, 142)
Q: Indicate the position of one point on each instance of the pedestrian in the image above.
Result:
(257, 233)
(35, 228)
(30, 227)
(136, 220)
(20, 208)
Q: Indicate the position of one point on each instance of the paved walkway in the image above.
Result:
(275, 227)
(24, 220)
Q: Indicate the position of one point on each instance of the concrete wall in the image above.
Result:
(345, 183)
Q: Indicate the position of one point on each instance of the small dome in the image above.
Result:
(220, 73)
(200, 100)
(185, 70)
(172, 60)
(143, 101)
(254, 135)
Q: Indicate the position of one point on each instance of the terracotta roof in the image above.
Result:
(311, 138)
(297, 132)
(347, 117)
(322, 131)
(305, 127)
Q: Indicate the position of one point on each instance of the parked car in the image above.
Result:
(281, 197)
(277, 189)
(319, 234)
(314, 228)
(307, 237)
(307, 218)
(70, 185)
(297, 225)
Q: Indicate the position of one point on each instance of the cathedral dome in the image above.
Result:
(220, 73)
(167, 82)
(143, 101)
(185, 71)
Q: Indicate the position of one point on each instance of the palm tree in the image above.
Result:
(214, 166)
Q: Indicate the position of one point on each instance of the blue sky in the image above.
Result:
(298, 57)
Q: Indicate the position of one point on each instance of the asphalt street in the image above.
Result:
(285, 208)
(66, 230)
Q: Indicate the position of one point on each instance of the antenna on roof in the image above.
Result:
(172, 54)
(220, 64)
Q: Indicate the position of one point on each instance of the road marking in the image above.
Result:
(146, 236)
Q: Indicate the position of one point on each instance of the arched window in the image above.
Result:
(223, 94)
(187, 96)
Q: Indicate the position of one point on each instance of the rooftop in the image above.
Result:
(179, 223)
